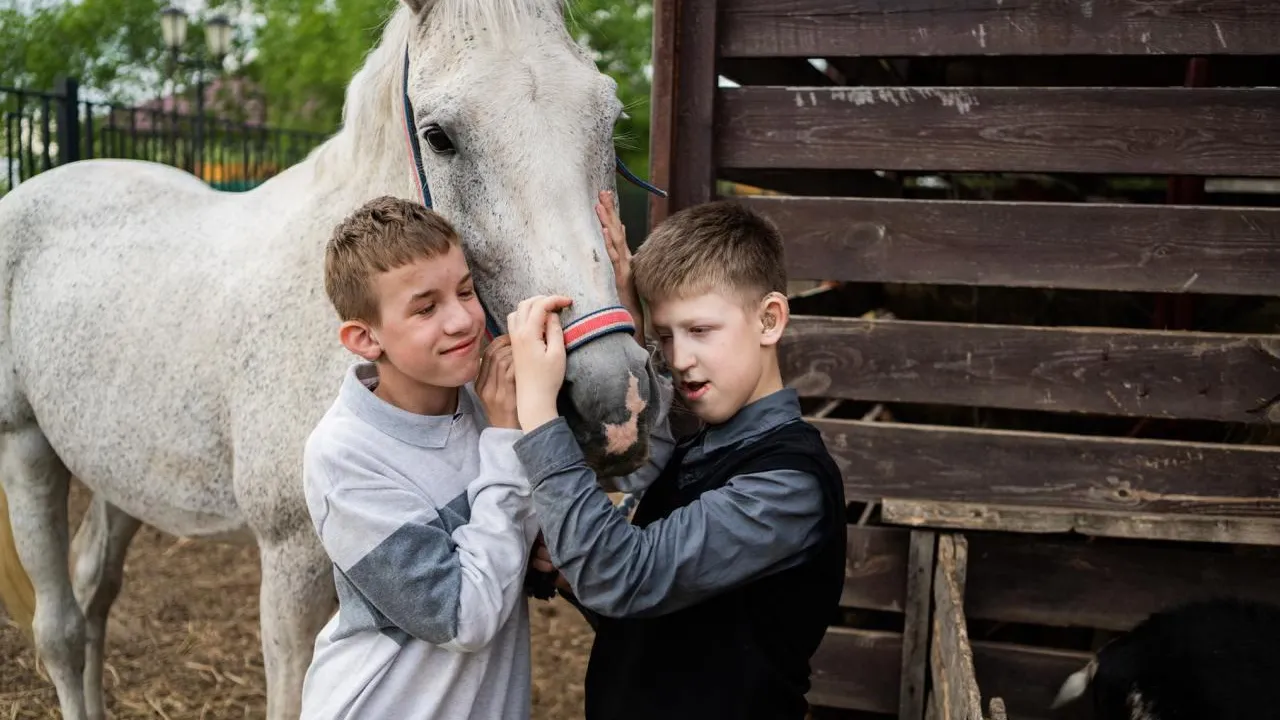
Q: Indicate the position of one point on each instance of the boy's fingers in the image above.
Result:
(548, 307)
(528, 321)
(555, 335)
(515, 319)
(551, 303)
(496, 346)
(612, 248)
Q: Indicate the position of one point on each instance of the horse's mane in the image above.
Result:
(370, 115)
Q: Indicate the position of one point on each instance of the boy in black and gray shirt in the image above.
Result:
(711, 602)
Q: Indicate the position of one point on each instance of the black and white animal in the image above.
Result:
(1206, 660)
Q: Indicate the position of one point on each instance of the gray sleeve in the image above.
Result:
(755, 525)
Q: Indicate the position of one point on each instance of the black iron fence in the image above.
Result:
(42, 129)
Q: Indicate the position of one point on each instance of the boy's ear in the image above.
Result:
(358, 337)
(775, 311)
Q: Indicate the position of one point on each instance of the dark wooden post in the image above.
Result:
(662, 103)
(68, 119)
(916, 623)
(693, 181)
(685, 80)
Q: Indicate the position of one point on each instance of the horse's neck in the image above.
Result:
(368, 156)
(354, 167)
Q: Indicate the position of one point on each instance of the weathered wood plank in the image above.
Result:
(662, 104)
(1021, 469)
(693, 168)
(1064, 582)
(915, 644)
(1104, 584)
(857, 670)
(1027, 679)
(931, 707)
(1189, 131)
(876, 562)
(816, 28)
(952, 656)
(1140, 248)
(1139, 373)
(1097, 523)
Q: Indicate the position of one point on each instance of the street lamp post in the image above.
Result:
(217, 35)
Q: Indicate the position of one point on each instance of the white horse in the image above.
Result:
(172, 346)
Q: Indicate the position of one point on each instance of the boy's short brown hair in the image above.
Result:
(383, 234)
(720, 246)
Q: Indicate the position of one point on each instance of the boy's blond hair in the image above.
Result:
(717, 246)
(383, 234)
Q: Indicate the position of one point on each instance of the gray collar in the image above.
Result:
(753, 420)
(426, 431)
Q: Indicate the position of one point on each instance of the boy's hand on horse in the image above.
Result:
(615, 242)
(496, 384)
(537, 347)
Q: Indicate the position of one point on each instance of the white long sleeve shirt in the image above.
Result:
(429, 523)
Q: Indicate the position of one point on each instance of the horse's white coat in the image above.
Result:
(172, 346)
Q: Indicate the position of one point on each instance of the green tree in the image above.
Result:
(111, 46)
(619, 34)
(307, 51)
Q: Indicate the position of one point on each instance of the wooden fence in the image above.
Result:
(1055, 345)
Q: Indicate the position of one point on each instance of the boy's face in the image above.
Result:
(431, 321)
(717, 349)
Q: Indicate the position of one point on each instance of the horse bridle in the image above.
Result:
(581, 330)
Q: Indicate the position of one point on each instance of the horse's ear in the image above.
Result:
(419, 7)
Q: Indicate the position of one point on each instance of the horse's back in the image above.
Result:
(118, 281)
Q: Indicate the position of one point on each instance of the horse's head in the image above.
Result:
(515, 128)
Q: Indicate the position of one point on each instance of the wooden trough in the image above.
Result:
(1050, 368)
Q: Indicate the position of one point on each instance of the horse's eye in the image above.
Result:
(437, 139)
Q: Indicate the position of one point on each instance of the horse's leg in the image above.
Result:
(297, 598)
(37, 484)
(102, 543)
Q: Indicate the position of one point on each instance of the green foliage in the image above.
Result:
(619, 33)
(307, 52)
(112, 46)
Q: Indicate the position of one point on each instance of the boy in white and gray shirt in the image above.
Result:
(413, 487)
(415, 490)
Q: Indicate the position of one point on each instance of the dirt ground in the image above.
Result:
(183, 641)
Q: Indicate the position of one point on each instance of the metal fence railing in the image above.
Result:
(42, 129)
